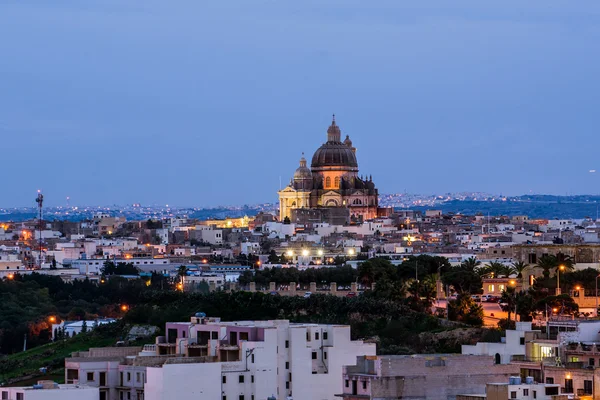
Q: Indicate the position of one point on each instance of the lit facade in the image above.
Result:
(331, 181)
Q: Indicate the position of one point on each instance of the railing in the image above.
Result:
(550, 361)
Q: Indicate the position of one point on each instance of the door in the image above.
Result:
(102, 378)
(354, 387)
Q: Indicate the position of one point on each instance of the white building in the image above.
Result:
(512, 345)
(72, 328)
(209, 359)
(255, 359)
(48, 390)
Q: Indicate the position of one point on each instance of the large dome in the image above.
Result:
(334, 153)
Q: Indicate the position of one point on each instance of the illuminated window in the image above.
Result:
(328, 182)
(337, 181)
(491, 288)
(500, 288)
(546, 351)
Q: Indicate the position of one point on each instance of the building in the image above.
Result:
(49, 390)
(503, 352)
(516, 389)
(210, 359)
(115, 372)
(72, 328)
(421, 376)
(331, 181)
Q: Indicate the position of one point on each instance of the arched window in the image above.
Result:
(357, 201)
(294, 204)
(328, 182)
(497, 359)
(337, 182)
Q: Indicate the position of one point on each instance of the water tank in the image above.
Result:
(529, 380)
(514, 380)
(38, 386)
(200, 315)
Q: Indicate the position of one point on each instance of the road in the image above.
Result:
(492, 312)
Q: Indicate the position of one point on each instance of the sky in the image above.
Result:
(203, 103)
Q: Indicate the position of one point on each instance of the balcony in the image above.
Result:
(546, 361)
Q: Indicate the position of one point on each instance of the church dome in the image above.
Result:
(303, 172)
(334, 153)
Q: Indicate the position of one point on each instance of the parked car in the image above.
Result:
(476, 298)
(307, 295)
(351, 294)
(274, 293)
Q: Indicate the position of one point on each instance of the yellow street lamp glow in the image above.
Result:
(52, 319)
(289, 253)
(512, 283)
(320, 252)
(10, 276)
(578, 288)
(305, 253)
(562, 267)
(555, 310)
(351, 252)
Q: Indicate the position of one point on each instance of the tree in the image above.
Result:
(519, 267)
(547, 263)
(375, 269)
(471, 264)
(273, 258)
(286, 220)
(463, 280)
(53, 266)
(508, 301)
(110, 268)
(84, 327)
(464, 309)
(182, 271)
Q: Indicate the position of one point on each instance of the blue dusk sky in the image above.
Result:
(211, 102)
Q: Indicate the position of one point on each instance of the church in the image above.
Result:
(331, 183)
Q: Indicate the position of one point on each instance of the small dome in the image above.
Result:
(303, 172)
(347, 141)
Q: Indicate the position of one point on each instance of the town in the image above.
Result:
(531, 281)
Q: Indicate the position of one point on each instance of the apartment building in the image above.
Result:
(421, 376)
(116, 372)
(208, 358)
(49, 390)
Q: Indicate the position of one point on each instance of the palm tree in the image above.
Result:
(519, 267)
(547, 263)
(496, 269)
(565, 261)
(471, 264)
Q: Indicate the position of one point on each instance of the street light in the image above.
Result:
(124, 307)
(52, 319)
(560, 268)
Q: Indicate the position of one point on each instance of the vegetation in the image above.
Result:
(52, 356)
(28, 302)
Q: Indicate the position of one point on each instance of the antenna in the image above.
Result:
(40, 201)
